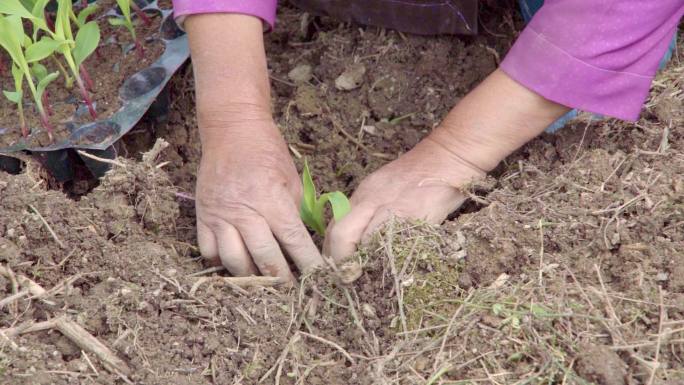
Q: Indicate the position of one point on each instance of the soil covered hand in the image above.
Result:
(247, 200)
(421, 184)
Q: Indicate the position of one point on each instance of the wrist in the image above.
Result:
(225, 128)
(494, 120)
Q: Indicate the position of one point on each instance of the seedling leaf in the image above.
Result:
(14, 7)
(116, 21)
(312, 209)
(125, 6)
(39, 71)
(85, 13)
(340, 204)
(13, 96)
(44, 82)
(41, 49)
(308, 186)
(87, 39)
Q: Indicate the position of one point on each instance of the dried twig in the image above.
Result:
(397, 285)
(35, 289)
(210, 270)
(79, 336)
(99, 159)
(239, 282)
(656, 364)
(52, 232)
(330, 343)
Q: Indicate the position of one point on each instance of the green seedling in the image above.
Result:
(127, 21)
(17, 97)
(76, 51)
(23, 52)
(312, 210)
(44, 78)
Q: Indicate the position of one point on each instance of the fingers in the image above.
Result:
(207, 243)
(233, 253)
(294, 238)
(263, 247)
(345, 235)
(382, 215)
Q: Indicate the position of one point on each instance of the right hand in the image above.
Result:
(247, 201)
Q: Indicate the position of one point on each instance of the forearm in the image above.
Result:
(495, 119)
(231, 77)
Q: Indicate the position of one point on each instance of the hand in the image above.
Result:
(491, 122)
(421, 184)
(247, 201)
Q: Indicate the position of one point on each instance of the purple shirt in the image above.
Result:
(598, 56)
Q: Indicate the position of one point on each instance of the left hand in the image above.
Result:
(421, 184)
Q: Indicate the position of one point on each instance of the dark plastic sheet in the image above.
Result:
(422, 17)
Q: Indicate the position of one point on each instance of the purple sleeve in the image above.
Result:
(263, 9)
(597, 56)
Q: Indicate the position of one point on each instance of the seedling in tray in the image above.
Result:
(127, 21)
(312, 210)
(23, 52)
(44, 42)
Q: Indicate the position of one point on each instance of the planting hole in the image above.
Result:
(142, 82)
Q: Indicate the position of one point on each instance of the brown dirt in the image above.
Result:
(108, 68)
(568, 270)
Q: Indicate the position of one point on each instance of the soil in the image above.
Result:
(114, 62)
(566, 269)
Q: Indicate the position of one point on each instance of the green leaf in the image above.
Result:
(13, 96)
(14, 7)
(87, 39)
(38, 9)
(62, 22)
(39, 71)
(340, 205)
(42, 49)
(309, 196)
(18, 76)
(10, 40)
(44, 82)
(84, 14)
(125, 6)
(312, 209)
(116, 21)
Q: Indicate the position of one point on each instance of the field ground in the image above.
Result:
(566, 267)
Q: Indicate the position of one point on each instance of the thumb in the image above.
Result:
(342, 237)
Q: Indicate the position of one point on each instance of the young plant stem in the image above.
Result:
(81, 87)
(68, 80)
(22, 120)
(46, 103)
(139, 48)
(86, 79)
(39, 104)
(86, 98)
(146, 19)
(46, 123)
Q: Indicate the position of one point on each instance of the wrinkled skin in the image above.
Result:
(421, 184)
(247, 202)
